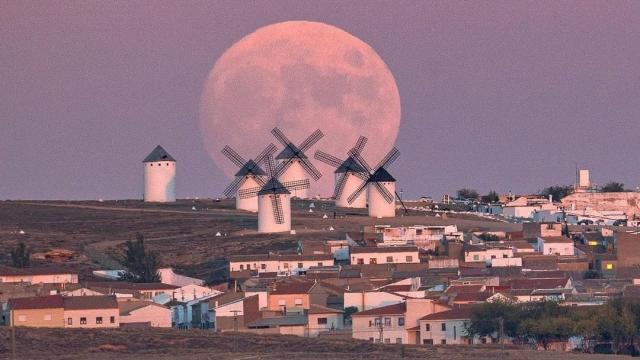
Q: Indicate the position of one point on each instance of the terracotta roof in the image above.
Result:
(458, 313)
(533, 284)
(395, 309)
(280, 257)
(395, 288)
(90, 302)
(391, 249)
(557, 239)
(472, 297)
(293, 287)
(37, 302)
(126, 307)
(319, 309)
(457, 289)
(10, 271)
(130, 286)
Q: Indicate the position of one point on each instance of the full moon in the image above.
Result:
(299, 76)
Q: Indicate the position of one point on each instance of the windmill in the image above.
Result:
(349, 176)
(380, 185)
(293, 163)
(274, 199)
(249, 176)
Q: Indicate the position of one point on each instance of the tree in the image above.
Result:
(21, 256)
(556, 191)
(141, 265)
(491, 197)
(485, 319)
(467, 194)
(488, 237)
(612, 186)
(591, 274)
(348, 311)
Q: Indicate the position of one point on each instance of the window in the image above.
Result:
(69, 321)
(47, 317)
(99, 320)
(444, 326)
(418, 231)
(493, 256)
(281, 303)
(378, 340)
(371, 339)
(322, 321)
(300, 266)
(263, 266)
(298, 301)
(377, 322)
(387, 341)
(483, 340)
(504, 256)
(443, 342)
(389, 259)
(427, 341)
(387, 321)
(370, 323)
(159, 164)
(409, 258)
(319, 264)
(360, 261)
(428, 327)
(83, 321)
(22, 318)
(112, 319)
(400, 321)
(248, 266)
(241, 267)
(609, 266)
(398, 340)
(476, 258)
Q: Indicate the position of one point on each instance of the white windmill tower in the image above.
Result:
(249, 176)
(274, 200)
(349, 176)
(293, 162)
(159, 176)
(380, 185)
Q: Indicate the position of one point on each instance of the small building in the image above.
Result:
(37, 276)
(40, 311)
(534, 230)
(91, 312)
(323, 319)
(485, 253)
(144, 313)
(384, 255)
(447, 327)
(556, 245)
(283, 264)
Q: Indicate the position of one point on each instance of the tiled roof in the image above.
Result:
(395, 309)
(472, 297)
(280, 257)
(391, 249)
(458, 313)
(557, 239)
(532, 284)
(458, 289)
(10, 271)
(293, 287)
(90, 302)
(319, 309)
(130, 286)
(37, 302)
(126, 307)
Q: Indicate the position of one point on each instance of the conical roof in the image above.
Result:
(350, 165)
(290, 152)
(381, 175)
(158, 154)
(273, 186)
(251, 168)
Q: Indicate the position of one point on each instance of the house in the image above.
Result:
(233, 311)
(144, 313)
(422, 236)
(556, 245)
(168, 276)
(290, 296)
(484, 253)
(534, 230)
(367, 300)
(37, 276)
(525, 206)
(40, 311)
(447, 327)
(91, 312)
(536, 289)
(627, 245)
(141, 291)
(284, 264)
(384, 255)
(283, 325)
(82, 292)
(323, 319)
(191, 292)
(397, 323)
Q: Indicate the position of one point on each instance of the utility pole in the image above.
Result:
(235, 329)
(13, 342)
(501, 320)
(380, 330)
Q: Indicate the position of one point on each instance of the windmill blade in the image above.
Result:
(248, 193)
(362, 141)
(406, 211)
(359, 159)
(386, 194)
(271, 166)
(276, 205)
(356, 193)
(327, 158)
(269, 150)
(311, 140)
(297, 184)
(280, 136)
(392, 155)
(234, 186)
(259, 180)
(281, 168)
(363, 176)
(339, 189)
(233, 156)
(310, 168)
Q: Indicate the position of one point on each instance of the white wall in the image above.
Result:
(381, 257)
(370, 300)
(160, 181)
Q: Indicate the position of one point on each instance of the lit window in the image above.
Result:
(609, 266)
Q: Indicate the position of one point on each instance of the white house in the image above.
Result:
(447, 327)
(367, 300)
(322, 319)
(384, 255)
(284, 264)
(144, 312)
(484, 253)
(556, 245)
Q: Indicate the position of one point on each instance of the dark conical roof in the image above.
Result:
(251, 168)
(381, 175)
(158, 154)
(289, 152)
(273, 186)
(350, 165)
